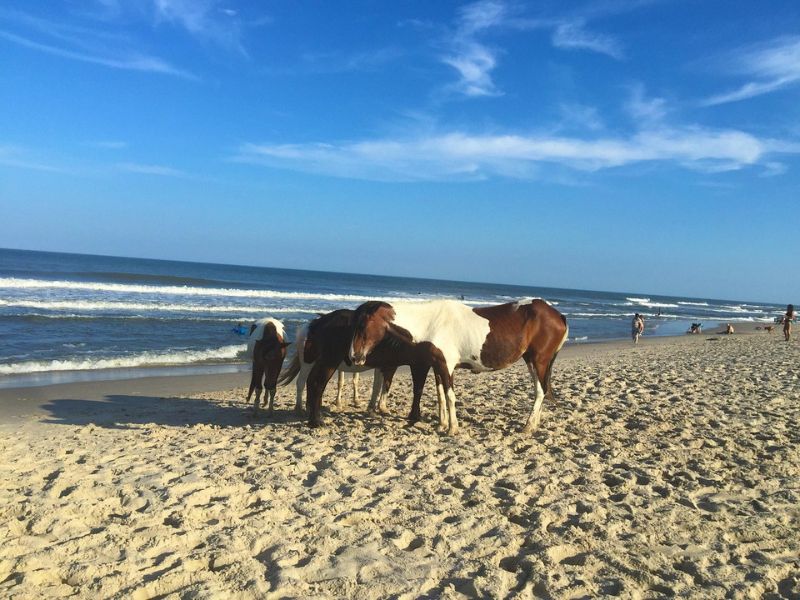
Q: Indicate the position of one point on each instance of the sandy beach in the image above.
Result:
(665, 469)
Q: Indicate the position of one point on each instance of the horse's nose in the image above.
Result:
(359, 359)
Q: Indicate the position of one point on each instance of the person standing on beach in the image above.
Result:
(637, 327)
(787, 322)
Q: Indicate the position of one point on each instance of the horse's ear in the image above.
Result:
(320, 314)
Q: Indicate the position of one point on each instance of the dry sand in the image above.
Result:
(671, 468)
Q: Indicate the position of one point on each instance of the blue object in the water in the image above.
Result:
(241, 330)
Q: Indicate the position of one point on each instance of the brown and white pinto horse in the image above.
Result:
(267, 348)
(327, 344)
(479, 339)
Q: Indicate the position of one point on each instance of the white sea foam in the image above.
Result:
(176, 290)
(142, 359)
(91, 305)
(694, 303)
(597, 315)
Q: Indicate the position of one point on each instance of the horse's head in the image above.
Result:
(371, 322)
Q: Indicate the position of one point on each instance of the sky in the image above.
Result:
(644, 146)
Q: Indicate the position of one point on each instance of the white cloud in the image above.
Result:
(150, 169)
(580, 116)
(84, 45)
(774, 65)
(645, 110)
(572, 35)
(474, 60)
(332, 62)
(462, 156)
(204, 19)
(13, 156)
(109, 144)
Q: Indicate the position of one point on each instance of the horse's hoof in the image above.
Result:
(452, 431)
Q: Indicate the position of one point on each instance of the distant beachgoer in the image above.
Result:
(787, 321)
(729, 329)
(240, 329)
(637, 327)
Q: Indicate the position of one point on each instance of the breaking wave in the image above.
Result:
(154, 359)
(91, 305)
(176, 290)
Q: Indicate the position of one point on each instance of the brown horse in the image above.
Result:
(308, 343)
(327, 343)
(267, 348)
(479, 339)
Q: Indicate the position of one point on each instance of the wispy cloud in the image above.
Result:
(84, 45)
(580, 116)
(773, 66)
(464, 156)
(473, 59)
(205, 19)
(150, 169)
(337, 62)
(645, 111)
(108, 144)
(13, 156)
(573, 35)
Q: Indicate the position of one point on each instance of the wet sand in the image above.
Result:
(670, 468)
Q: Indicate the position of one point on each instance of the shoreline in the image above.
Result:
(26, 400)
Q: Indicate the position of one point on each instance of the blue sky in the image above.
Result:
(641, 146)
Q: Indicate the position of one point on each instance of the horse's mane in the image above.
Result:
(342, 316)
(370, 307)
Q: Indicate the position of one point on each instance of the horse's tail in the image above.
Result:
(252, 387)
(548, 388)
(256, 334)
(289, 373)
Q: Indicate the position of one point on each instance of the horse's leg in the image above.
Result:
(257, 400)
(452, 428)
(388, 376)
(536, 413)
(418, 375)
(442, 403)
(339, 386)
(377, 386)
(300, 382)
(356, 380)
(256, 385)
(317, 380)
(271, 404)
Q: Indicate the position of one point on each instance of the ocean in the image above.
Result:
(67, 317)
